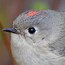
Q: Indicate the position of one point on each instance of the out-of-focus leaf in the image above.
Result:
(1, 26)
(40, 6)
(2, 15)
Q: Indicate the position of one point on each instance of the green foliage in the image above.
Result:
(1, 30)
(2, 15)
(40, 6)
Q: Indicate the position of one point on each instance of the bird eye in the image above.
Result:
(31, 30)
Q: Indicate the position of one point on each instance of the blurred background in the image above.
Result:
(9, 10)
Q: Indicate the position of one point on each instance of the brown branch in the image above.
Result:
(7, 43)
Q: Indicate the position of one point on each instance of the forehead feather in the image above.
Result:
(30, 16)
(33, 17)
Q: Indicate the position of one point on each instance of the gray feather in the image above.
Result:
(46, 46)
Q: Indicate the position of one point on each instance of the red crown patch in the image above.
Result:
(31, 13)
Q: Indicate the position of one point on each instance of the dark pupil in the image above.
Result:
(31, 30)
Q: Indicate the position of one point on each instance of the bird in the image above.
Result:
(38, 38)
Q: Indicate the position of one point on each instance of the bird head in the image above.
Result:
(37, 27)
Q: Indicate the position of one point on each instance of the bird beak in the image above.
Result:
(11, 30)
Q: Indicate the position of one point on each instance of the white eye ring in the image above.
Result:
(31, 31)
